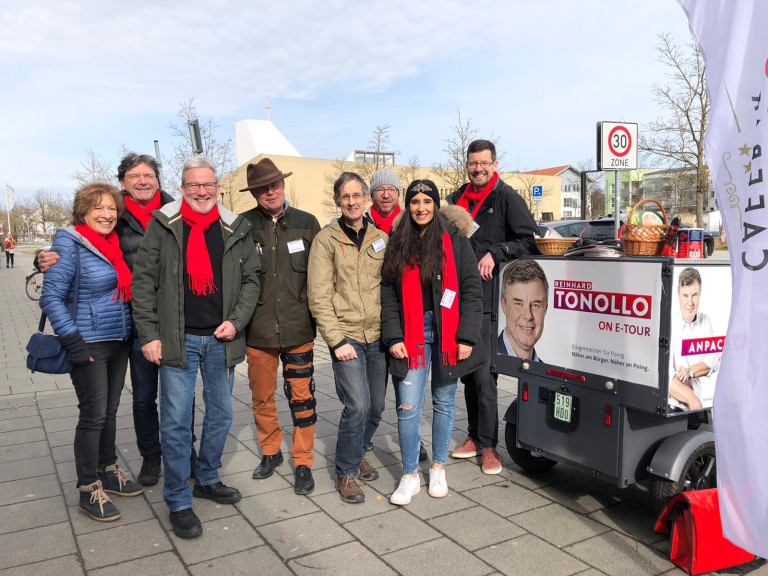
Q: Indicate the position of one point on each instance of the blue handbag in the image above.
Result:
(45, 352)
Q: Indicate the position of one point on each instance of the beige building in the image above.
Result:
(310, 187)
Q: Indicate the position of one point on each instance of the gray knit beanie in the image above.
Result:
(383, 177)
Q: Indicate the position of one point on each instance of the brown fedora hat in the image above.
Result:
(263, 173)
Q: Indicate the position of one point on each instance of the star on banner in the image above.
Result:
(744, 150)
(747, 168)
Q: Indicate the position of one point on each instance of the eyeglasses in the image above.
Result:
(473, 165)
(194, 186)
(134, 177)
(355, 197)
(386, 189)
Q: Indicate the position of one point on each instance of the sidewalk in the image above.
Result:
(557, 524)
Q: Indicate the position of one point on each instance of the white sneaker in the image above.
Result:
(409, 486)
(438, 487)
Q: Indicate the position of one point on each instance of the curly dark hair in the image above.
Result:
(407, 246)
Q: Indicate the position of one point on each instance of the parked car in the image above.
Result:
(601, 228)
(565, 228)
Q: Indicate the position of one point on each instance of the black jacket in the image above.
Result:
(506, 230)
(469, 298)
(131, 232)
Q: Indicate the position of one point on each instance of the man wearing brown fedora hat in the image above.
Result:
(282, 327)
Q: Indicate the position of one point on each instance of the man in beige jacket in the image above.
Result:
(343, 283)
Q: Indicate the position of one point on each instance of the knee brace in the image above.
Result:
(290, 361)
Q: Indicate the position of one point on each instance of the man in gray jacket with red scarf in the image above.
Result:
(503, 231)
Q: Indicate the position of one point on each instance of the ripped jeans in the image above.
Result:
(409, 394)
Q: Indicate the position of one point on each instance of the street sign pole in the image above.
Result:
(616, 203)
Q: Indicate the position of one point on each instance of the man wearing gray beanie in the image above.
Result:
(385, 196)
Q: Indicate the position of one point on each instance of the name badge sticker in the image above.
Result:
(448, 297)
(295, 246)
(475, 228)
(379, 245)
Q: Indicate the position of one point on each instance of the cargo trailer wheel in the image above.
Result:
(526, 459)
(699, 473)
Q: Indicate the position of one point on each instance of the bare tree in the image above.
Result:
(595, 190)
(453, 171)
(677, 140)
(409, 173)
(379, 143)
(94, 169)
(219, 152)
(48, 211)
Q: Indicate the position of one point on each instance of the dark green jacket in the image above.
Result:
(282, 316)
(158, 277)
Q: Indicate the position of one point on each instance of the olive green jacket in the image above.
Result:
(344, 292)
(282, 316)
(158, 283)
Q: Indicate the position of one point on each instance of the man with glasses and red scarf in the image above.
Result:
(503, 230)
(195, 287)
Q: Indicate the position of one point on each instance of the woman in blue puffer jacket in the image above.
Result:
(96, 337)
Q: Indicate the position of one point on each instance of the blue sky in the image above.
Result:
(539, 74)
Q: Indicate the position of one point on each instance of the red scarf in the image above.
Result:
(142, 213)
(384, 224)
(477, 196)
(109, 246)
(198, 260)
(413, 312)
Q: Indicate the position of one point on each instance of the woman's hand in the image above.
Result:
(464, 351)
(398, 351)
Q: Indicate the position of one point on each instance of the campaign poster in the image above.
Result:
(600, 317)
(701, 303)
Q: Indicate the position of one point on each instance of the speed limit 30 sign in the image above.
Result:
(616, 146)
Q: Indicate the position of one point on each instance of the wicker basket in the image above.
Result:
(645, 239)
(554, 246)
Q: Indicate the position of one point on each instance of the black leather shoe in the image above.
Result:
(304, 483)
(422, 453)
(217, 492)
(150, 470)
(267, 466)
(186, 524)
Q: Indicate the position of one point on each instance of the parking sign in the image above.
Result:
(537, 193)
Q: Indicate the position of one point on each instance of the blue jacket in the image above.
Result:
(98, 316)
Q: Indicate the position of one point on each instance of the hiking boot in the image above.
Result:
(350, 490)
(367, 472)
(115, 481)
(491, 461)
(422, 453)
(95, 502)
(438, 486)
(186, 524)
(304, 483)
(409, 486)
(267, 466)
(468, 449)
(150, 470)
(217, 492)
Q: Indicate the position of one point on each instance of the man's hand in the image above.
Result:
(46, 259)
(398, 351)
(682, 374)
(485, 266)
(464, 351)
(153, 351)
(344, 353)
(226, 331)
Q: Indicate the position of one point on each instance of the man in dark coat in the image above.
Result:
(282, 327)
(503, 231)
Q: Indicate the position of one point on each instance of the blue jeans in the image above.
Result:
(354, 381)
(146, 422)
(177, 394)
(409, 393)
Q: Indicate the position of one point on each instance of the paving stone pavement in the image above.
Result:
(561, 523)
